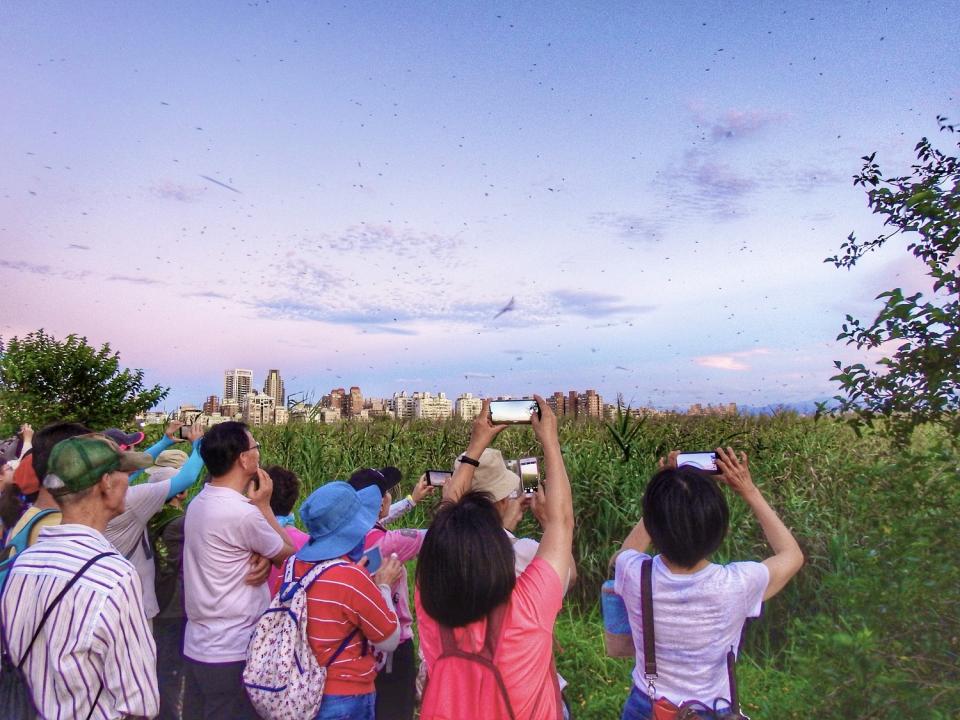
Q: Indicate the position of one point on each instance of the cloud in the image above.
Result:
(75, 246)
(45, 270)
(208, 295)
(135, 279)
(594, 304)
(173, 191)
(385, 238)
(630, 226)
(735, 362)
(737, 124)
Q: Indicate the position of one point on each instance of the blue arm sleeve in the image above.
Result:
(154, 450)
(188, 473)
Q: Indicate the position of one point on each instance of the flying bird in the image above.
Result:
(505, 309)
(221, 184)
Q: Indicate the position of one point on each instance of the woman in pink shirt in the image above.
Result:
(286, 492)
(483, 630)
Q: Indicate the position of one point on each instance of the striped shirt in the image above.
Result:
(343, 599)
(96, 636)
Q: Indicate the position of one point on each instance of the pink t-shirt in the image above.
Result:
(298, 538)
(406, 544)
(525, 653)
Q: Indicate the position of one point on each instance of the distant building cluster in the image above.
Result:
(271, 406)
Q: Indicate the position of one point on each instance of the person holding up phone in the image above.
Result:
(468, 593)
(699, 608)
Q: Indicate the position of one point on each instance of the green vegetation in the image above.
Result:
(869, 629)
(916, 383)
(43, 380)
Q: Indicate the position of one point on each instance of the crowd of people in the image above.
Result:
(121, 599)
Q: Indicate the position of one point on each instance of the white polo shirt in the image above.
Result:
(222, 529)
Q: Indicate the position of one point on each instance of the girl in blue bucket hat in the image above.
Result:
(349, 611)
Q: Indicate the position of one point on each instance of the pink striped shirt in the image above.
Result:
(97, 634)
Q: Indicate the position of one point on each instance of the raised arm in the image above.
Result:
(556, 546)
(190, 470)
(482, 434)
(787, 558)
(260, 497)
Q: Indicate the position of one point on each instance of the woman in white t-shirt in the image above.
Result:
(699, 607)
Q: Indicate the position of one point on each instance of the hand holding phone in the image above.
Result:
(529, 475)
(374, 559)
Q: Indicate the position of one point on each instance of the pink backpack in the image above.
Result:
(462, 683)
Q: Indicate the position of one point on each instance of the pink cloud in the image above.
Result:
(734, 362)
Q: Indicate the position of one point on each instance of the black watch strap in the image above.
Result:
(469, 461)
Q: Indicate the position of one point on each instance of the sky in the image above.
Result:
(354, 192)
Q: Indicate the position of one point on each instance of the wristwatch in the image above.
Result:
(469, 461)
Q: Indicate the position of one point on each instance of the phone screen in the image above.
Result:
(706, 461)
(182, 432)
(438, 478)
(529, 475)
(374, 559)
(512, 412)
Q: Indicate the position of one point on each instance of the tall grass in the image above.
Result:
(869, 629)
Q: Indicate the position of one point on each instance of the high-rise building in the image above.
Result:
(401, 405)
(353, 403)
(273, 386)
(258, 409)
(236, 384)
(428, 407)
(468, 407)
(572, 404)
(211, 405)
(558, 402)
(334, 399)
(590, 404)
(229, 409)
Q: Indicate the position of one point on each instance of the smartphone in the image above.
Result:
(706, 461)
(182, 432)
(529, 475)
(374, 559)
(512, 412)
(438, 478)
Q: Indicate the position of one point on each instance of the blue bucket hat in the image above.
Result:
(337, 518)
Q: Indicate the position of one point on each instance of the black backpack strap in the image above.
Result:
(53, 605)
(649, 639)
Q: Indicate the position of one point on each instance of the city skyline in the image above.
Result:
(490, 199)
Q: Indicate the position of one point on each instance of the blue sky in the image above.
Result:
(351, 192)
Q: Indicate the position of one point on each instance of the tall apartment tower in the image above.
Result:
(211, 405)
(273, 386)
(572, 405)
(236, 384)
(558, 401)
(353, 403)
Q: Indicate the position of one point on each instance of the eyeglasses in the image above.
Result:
(255, 446)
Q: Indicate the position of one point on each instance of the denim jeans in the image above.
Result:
(347, 707)
(638, 707)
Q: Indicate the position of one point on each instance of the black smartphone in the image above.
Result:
(182, 432)
(513, 412)
(529, 475)
(706, 461)
(438, 478)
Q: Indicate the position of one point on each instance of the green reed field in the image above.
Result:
(870, 628)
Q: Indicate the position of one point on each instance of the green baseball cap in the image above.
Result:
(78, 463)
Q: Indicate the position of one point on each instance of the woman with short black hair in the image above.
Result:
(486, 634)
(699, 608)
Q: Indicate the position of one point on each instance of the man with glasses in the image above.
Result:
(227, 522)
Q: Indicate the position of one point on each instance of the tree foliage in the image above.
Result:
(916, 380)
(43, 380)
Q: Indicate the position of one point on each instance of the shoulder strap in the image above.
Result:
(646, 602)
(28, 527)
(343, 646)
(52, 606)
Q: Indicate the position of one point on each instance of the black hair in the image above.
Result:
(222, 445)
(48, 436)
(286, 489)
(11, 506)
(466, 565)
(686, 514)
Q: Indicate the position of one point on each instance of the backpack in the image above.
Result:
(282, 676)
(16, 702)
(462, 681)
(19, 543)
